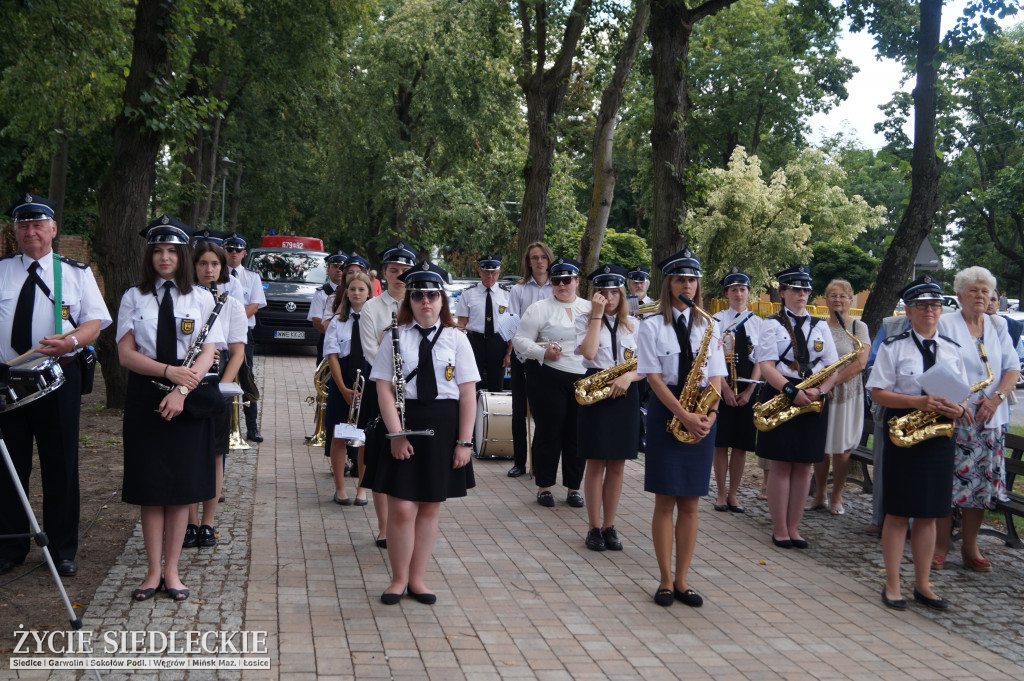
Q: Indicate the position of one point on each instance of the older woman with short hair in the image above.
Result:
(980, 477)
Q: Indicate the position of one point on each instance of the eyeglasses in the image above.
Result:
(420, 295)
(561, 281)
(926, 305)
(234, 249)
(837, 296)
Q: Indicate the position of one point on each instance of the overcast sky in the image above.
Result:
(871, 87)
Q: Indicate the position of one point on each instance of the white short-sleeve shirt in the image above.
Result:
(454, 363)
(658, 348)
(140, 312)
(775, 344)
(625, 341)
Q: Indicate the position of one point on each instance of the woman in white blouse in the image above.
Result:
(605, 337)
(547, 339)
(980, 476)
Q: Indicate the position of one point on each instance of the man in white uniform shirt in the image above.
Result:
(29, 283)
(323, 298)
(477, 313)
(249, 289)
(639, 280)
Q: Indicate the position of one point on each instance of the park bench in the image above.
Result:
(1015, 506)
(862, 454)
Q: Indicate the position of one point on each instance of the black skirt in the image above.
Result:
(672, 467)
(736, 427)
(918, 479)
(222, 427)
(427, 476)
(607, 429)
(166, 463)
(799, 440)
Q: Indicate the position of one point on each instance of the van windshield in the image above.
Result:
(289, 268)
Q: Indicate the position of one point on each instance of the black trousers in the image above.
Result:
(489, 354)
(518, 371)
(553, 405)
(52, 422)
(252, 410)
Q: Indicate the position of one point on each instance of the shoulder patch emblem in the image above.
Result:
(819, 345)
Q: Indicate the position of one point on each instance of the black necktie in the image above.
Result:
(426, 381)
(488, 317)
(929, 354)
(166, 337)
(234, 273)
(355, 355)
(682, 328)
(21, 334)
(615, 343)
(801, 351)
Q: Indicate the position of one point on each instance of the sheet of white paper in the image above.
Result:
(229, 389)
(347, 431)
(943, 381)
(508, 323)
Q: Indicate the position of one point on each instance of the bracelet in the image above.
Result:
(713, 411)
(460, 443)
(166, 366)
(595, 319)
(790, 389)
(963, 411)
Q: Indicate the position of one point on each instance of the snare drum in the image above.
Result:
(493, 432)
(30, 379)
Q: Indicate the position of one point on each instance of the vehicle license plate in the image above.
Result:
(290, 334)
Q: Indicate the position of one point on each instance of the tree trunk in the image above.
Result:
(123, 197)
(59, 177)
(670, 29)
(898, 262)
(236, 194)
(605, 171)
(210, 182)
(192, 158)
(545, 95)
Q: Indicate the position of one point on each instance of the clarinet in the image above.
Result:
(398, 378)
(197, 345)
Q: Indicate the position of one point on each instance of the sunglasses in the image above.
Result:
(561, 281)
(233, 249)
(420, 295)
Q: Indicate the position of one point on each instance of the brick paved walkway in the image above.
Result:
(519, 596)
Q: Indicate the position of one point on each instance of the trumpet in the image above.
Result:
(357, 402)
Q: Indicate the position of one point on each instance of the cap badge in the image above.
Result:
(426, 266)
(165, 220)
(28, 198)
(560, 262)
(607, 269)
(734, 270)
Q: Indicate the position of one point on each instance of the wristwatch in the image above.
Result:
(183, 390)
(1000, 395)
(464, 444)
(75, 340)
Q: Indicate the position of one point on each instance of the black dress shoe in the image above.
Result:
(391, 599)
(782, 543)
(934, 603)
(736, 509)
(595, 540)
(67, 568)
(8, 564)
(206, 536)
(900, 604)
(191, 536)
(515, 472)
(574, 499)
(425, 599)
(611, 539)
(546, 499)
(664, 597)
(688, 597)
(254, 435)
(721, 508)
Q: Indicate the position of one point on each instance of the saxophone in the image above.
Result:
(594, 388)
(779, 409)
(691, 398)
(918, 426)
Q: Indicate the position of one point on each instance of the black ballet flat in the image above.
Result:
(799, 543)
(664, 597)
(900, 604)
(688, 597)
(140, 595)
(360, 502)
(424, 598)
(381, 543)
(736, 509)
(391, 599)
(934, 603)
(721, 508)
(177, 595)
(782, 543)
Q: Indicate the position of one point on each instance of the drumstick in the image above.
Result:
(42, 347)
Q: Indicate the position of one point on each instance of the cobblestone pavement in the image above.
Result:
(520, 597)
(987, 608)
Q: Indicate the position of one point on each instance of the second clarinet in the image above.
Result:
(398, 378)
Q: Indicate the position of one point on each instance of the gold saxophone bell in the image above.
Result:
(320, 376)
(691, 397)
(595, 388)
(917, 426)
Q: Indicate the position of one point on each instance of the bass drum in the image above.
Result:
(493, 432)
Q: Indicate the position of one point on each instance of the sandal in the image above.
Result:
(838, 509)
(140, 595)
(178, 595)
(938, 562)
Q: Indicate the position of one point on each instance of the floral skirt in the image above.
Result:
(979, 476)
